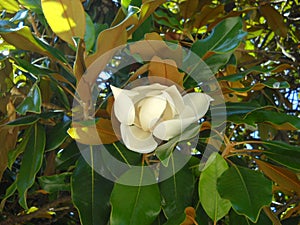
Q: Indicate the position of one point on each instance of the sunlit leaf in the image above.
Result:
(66, 18)
(31, 162)
(32, 103)
(247, 190)
(101, 133)
(213, 204)
(11, 6)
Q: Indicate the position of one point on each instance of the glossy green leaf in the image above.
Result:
(176, 191)
(32, 103)
(67, 157)
(57, 135)
(225, 37)
(283, 153)
(247, 190)
(90, 33)
(13, 154)
(31, 162)
(23, 121)
(66, 18)
(90, 194)
(135, 205)
(213, 204)
(55, 183)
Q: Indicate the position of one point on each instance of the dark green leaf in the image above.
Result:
(31, 162)
(23, 121)
(13, 154)
(247, 190)
(213, 204)
(90, 33)
(32, 103)
(9, 192)
(90, 194)
(283, 153)
(135, 205)
(57, 135)
(67, 157)
(55, 183)
(176, 191)
(34, 5)
(242, 220)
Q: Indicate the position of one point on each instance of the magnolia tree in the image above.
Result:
(149, 112)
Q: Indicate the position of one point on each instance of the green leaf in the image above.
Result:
(215, 207)
(67, 157)
(176, 191)
(55, 183)
(135, 205)
(247, 190)
(31, 162)
(90, 33)
(13, 154)
(66, 18)
(9, 192)
(33, 5)
(57, 135)
(90, 194)
(32, 103)
(225, 37)
(23, 121)
(242, 220)
(283, 153)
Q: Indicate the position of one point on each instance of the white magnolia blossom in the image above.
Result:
(155, 112)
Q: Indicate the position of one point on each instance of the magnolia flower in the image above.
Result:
(155, 112)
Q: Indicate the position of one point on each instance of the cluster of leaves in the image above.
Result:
(251, 48)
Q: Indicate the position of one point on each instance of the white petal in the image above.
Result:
(174, 98)
(123, 105)
(151, 109)
(137, 140)
(199, 103)
(171, 128)
(151, 87)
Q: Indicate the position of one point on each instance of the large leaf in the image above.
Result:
(135, 205)
(66, 18)
(283, 153)
(57, 135)
(31, 162)
(11, 6)
(212, 203)
(247, 190)
(176, 191)
(225, 37)
(242, 220)
(32, 103)
(90, 194)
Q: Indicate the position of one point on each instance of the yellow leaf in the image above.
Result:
(10, 6)
(274, 19)
(166, 68)
(101, 133)
(23, 39)
(66, 18)
(285, 178)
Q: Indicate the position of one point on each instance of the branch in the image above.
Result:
(13, 220)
